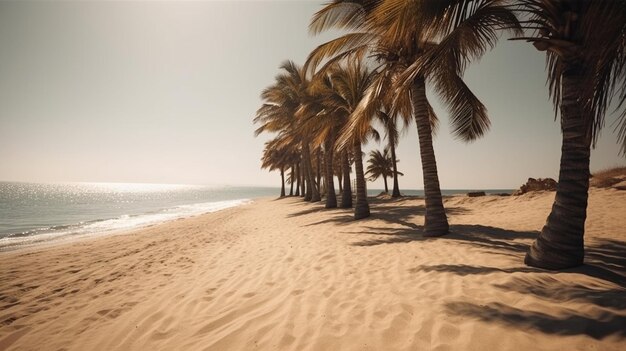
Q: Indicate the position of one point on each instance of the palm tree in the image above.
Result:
(380, 164)
(291, 179)
(297, 167)
(418, 42)
(346, 194)
(322, 122)
(585, 44)
(276, 157)
(351, 80)
(393, 137)
(279, 114)
(337, 169)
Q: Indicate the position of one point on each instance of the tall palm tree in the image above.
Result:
(351, 81)
(418, 42)
(380, 164)
(279, 114)
(322, 123)
(585, 44)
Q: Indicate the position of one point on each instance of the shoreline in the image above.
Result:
(59, 238)
(284, 274)
(54, 238)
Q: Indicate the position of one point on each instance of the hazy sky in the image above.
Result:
(165, 92)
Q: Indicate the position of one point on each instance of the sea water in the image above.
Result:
(32, 213)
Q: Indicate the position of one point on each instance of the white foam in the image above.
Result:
(121, 223)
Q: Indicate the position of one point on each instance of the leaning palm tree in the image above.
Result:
(585, 44)
(418, 42)
(380, 164)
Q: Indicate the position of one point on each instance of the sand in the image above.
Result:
(287, 275)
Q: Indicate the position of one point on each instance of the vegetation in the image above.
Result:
(380, 164)
(608, 177)
(586, 57)
(416, 43)
(378, 73)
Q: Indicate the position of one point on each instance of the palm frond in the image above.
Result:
(351, 42)
(468, 116)
(339, 14)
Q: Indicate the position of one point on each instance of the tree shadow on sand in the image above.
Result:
(561, 323)
(499, 240)
(603, 297)
(605, 261)
(394, 211)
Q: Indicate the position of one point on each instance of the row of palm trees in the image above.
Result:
(393, 50)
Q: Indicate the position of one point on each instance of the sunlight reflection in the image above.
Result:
(136, 187)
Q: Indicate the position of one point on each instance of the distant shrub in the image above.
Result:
(606, 178)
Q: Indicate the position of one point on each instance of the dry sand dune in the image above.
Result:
(283, 274)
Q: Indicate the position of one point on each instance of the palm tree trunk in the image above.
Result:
(331, 197)
(311, 191)
(306, 159)
(319, 174)
(386, 188)
(396, 188)
(561, 241)
(302, 178)
(435, 220)
(346, 194)
(361, 208)
(339, 183)
(292, 180)
(297, 179)
(282, 182)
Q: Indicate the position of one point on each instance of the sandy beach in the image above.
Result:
(281, 274)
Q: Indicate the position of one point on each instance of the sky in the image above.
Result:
(165, 92)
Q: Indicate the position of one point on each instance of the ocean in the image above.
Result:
(33, 213)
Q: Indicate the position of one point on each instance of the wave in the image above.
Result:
(105, 226)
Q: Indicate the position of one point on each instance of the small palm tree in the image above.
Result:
(277, 157)
(585, 44)
(393, 137)
(381, 165)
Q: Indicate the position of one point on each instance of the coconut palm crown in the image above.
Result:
(379, 165)
(585, 45)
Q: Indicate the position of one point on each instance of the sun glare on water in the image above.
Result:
(137, 187)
